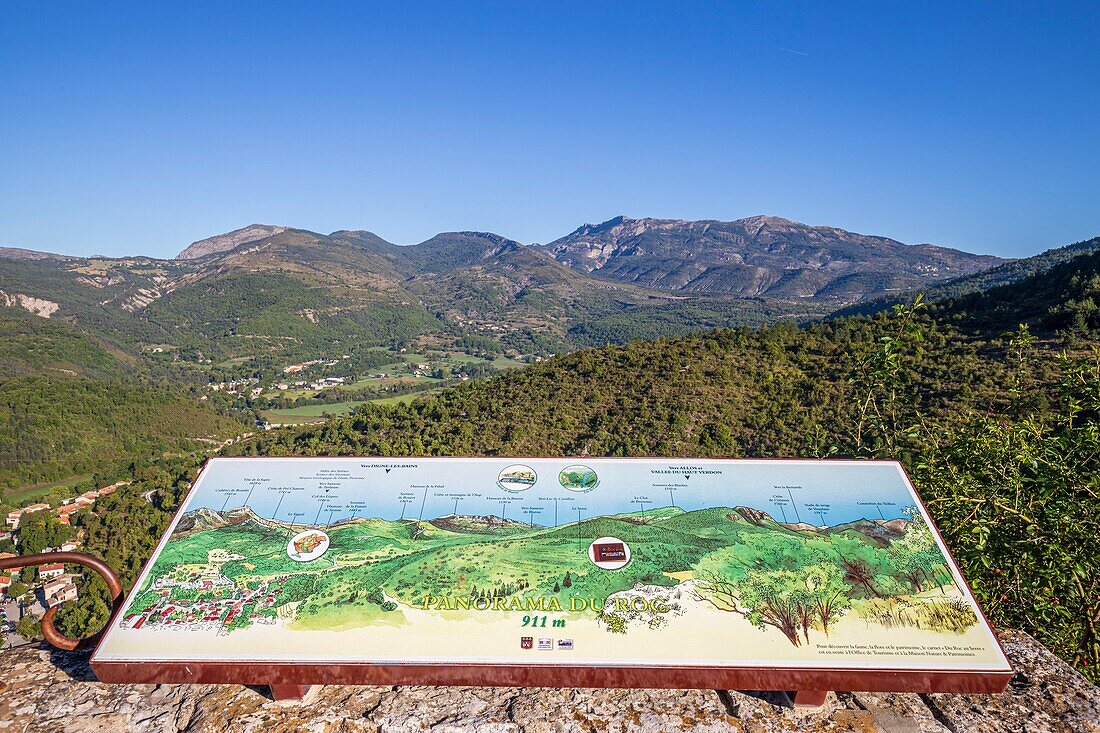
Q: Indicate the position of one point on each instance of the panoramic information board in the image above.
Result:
(626, 572)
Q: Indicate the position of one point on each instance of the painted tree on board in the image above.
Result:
(827, 596)
(916, 556)
(778, 581)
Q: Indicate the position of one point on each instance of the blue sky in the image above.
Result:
(137, 128)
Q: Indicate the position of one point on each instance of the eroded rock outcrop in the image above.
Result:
(38, 306)
(43, 690)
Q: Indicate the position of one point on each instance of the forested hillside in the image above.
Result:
(781, 390)
(54, 428)
(1064, 298)
(71, 405)
(1004, 274)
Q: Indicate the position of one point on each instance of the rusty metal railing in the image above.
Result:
(49, 631)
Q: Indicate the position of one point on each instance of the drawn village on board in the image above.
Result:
(659, 561)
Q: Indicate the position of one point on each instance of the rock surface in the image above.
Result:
(228, 241)
(43, 690)
(760, 255)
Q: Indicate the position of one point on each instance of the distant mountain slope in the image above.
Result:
(1014, 271)
(760, 255)
(18, 253)
(294, 293)
(1003, 274)
(278, 292)
(291, 293)
(228, 241)
(1065, 297)
(450, 250)
(29, 345)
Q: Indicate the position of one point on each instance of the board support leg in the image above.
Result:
(809, 698)
(289, 692)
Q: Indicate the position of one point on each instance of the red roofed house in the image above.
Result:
(59, 590)
(64, 512)
(51, 570)
(112, 488)
(14, 517)
(10, 574)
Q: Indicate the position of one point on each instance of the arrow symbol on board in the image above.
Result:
(687, 477)
(387, 470)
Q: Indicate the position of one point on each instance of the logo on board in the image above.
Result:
(527, 642)
(609, 553)
(307, 545)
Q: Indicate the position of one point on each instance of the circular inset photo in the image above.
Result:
(609, 553)
(517, 478)
(578, 478)
(307, 545)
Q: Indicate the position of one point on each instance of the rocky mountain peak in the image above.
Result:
(757, 256)
(230, 240)
(619, 227)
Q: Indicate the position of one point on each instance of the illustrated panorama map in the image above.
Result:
(553, 561)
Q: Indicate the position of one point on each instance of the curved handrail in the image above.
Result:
(49, 631)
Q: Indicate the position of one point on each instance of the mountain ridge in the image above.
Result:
(1007, 273)
(268, 292)
(758, 255)
(228, 241)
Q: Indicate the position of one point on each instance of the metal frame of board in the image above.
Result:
(291, 679)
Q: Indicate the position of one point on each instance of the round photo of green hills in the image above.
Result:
(578, 478)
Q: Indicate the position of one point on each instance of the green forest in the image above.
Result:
(72, 405)
(999, 428)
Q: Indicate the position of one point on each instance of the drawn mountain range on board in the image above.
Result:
(204, 518)
(480, 524)
(879, 529)
(630, 526)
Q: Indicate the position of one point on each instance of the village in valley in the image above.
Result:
(32, 591)
(310, 390)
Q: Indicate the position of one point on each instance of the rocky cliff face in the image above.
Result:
(37, 306)
(41, 690)
(228, 241)
(757, 256)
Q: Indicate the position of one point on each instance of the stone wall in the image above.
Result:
(45, 690)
